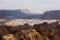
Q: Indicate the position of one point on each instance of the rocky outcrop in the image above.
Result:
(30, 34)
(42, 31)
(8, 37)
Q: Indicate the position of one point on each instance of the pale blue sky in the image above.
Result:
(33, 5)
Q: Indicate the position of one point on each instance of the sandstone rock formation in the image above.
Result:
(42, 31)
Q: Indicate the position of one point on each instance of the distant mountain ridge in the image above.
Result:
(26, 14)
(16, 14)
(53, 14)
(26, 11)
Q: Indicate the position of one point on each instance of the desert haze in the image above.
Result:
(30, 29)
(22, 25)
(29, 19)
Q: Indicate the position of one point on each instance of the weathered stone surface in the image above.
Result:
(31, 34)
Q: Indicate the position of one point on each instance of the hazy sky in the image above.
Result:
(33, 5)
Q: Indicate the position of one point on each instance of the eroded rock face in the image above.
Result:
(42, 31)
(8, 37)
(49, 31)
(28, 35)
